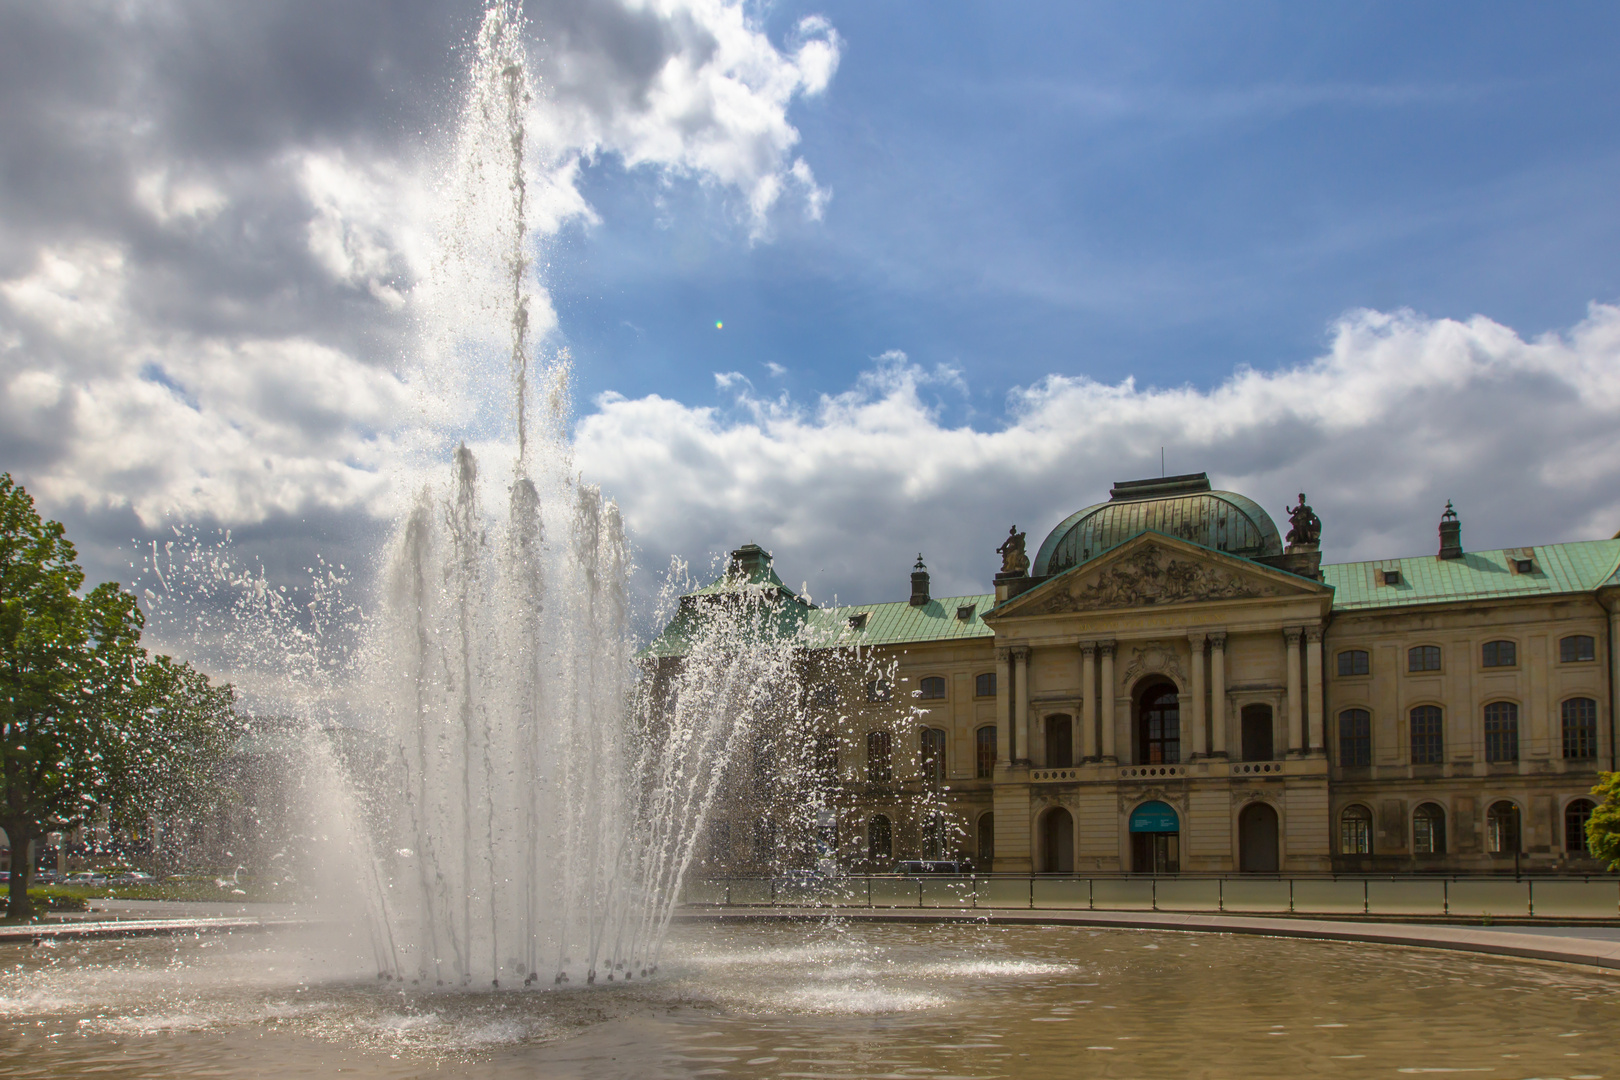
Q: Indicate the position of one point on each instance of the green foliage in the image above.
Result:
(1603, 830)
(87, 720)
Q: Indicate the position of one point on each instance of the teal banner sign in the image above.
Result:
(1154, 817)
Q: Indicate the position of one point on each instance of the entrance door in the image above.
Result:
(1257, 839)
(1057, 842)
(1156, 853)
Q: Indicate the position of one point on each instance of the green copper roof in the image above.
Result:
(899, 622)
(1582, 566)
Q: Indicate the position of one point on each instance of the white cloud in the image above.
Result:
(1401, 414)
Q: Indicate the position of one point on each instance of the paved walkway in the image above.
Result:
(1570, 945)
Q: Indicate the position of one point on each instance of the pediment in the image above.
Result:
(1157, 571)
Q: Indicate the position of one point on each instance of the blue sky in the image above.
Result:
(1164, 191)
(974, 263)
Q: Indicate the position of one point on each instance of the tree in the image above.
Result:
(1603, 829)
(87, 720)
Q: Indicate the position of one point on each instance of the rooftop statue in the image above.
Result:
(1307, 527)
(1013, 559)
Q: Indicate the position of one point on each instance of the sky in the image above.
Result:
(853, 281)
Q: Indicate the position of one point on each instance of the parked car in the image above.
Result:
(912, 867)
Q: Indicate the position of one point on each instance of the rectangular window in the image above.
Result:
(985, 685)
(1580, 728)
(1428, 743)
(1500, 654)
(985, 753)
(1355, 738)
(1501, 731)
(1355, 831)
(1576, 815)
(1576, 648)
(933, 756)
(1423, 658)
(879, 758)
(1354, 662)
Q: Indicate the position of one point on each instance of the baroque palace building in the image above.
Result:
(1171, 686)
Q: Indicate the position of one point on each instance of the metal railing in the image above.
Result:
(1552, 898)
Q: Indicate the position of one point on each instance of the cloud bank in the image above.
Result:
(1399, 415)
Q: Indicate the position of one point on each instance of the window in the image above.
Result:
(1355, 738)
(879, 840)
(987, 843)
(1575, 648)
(827, 758)
(858, 620)
(1160, 729)
(1355, 831)
(824, 697)
(932, 689)
(1392, 577)
(879, 690)
(1500, 654)
(1354, 662)
(1580, 728)
(1429, 830)
(1423, 658)
(933, 756)
(936, 835)
(1257, 741)
(1501, 731)
(984, 741)
(1428, 738)
(1502, 828)
(879, 757)
(985, 685)
(1059, 742)
(964, 612)
(1524, 566)
(1576, 815)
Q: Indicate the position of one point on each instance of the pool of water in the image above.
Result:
(816, 1000)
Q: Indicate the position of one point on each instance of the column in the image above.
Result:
(1217, 694)
(1004, 691)
(1296, 718)
(1021, 703)
(1088, 701)
(1196, 715)
(1313, 686)
(1105, 714)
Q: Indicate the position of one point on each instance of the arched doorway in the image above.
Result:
(1257, 839)
(1057, 842)
(1155, 839)
(1158, 726)
(986, 861)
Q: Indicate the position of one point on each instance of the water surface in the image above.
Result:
(817, 1000)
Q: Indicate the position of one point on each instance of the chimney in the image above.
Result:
(919, 583)
(1450, 534)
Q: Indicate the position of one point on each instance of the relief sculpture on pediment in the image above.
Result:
(1151, 575)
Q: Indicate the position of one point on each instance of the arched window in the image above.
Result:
(879, 757)
(1059, 741)
(1257, 736)
(1355, 738)
(1354, 662)
(933, 757)
(1502, 828)
(984, 755)
(1355, 831)
(1429, 830)
(1428, 736)
(827, 758)
(1159, 738)
(984, 685)
(1501, 731)
(879, 690)
(1580, 728)
(1499, 654)
(1576, 815)
(1423, 658)
(986, 860)
(1575, 648)
(931, 689)
(879, 841)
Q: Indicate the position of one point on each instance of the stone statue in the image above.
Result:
(1013, 559)
(1307, 527)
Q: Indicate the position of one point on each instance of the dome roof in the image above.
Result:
(1179, 506)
